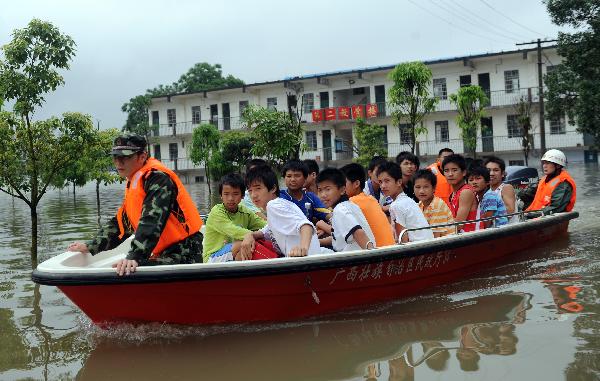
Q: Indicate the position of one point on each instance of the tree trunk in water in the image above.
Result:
(207, 172)
(34, 235)
(74, 200)
(98, 199)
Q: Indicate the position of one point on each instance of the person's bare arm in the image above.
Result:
(399, 229)
(247, 246)
(306, 233)
(327, 241)
(466, 200)
(324, 226)
(509, 197)
(487, 214)
(362, 239)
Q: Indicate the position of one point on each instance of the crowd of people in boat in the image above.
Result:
(345, 209)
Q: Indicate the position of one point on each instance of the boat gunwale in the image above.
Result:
(283, 266)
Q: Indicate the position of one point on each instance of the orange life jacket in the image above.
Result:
(443, 190)
(174, 230)
(543, 195)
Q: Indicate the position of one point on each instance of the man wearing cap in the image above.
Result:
(556, 191)
(157, 210)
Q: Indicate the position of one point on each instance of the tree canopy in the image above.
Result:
(470, 101)
(205, 144)
(409, 97)
(370, 139)
(574, 85)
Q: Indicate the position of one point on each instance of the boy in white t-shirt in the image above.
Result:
(349, 227)
(404, 211)
(288, 229)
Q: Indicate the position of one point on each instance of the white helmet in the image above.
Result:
(555, 156)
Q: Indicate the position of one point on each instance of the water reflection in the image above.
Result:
(404, 336)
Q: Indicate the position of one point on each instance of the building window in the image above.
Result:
(157, 152)
(558, 127)
(511, 80)
(441, 131)
(439, 88)
(385, 138)
(405, 135)
(243, 105)
(171, 117)
(512, 125)
(516, 162)
(358, 91)
(308, 102)
(272, 103)
(311, 140)
(173, 154)
(196, 115)
(324, 96)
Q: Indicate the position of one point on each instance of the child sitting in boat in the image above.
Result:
(434, 209)
(295, 173)
(404, 211)
(349, 227)
(463, 203)
(229, 222)
(490, 204)
(372, 185)
(378, 221)
(288, 229)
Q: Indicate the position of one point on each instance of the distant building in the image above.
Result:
(329, 103)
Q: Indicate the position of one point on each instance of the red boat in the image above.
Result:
(283, 288)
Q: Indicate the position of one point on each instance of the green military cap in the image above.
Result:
(127, 144)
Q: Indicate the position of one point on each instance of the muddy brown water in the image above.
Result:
(536, 316)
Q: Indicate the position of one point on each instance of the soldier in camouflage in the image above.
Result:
(129, 155)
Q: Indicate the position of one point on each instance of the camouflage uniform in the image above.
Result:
(159, 203)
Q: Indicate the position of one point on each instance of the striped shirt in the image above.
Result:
(436, 213)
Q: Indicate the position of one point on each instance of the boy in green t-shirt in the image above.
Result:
(229, 222)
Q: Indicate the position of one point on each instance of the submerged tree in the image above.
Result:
(470, 101)
(34, 154)
(205, 142)
(409, 97)
(370, 141)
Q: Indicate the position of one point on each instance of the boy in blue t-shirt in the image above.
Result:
(490, 204)
(295, 173)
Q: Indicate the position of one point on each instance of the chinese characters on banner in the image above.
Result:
(317, 115)
(330, 113)
(371, 110)
(358, 111)
(343, 112)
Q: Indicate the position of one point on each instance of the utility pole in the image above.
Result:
(540, 90)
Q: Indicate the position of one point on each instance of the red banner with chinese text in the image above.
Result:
(317, 115)
(371, 110)
(343, 112)
(330, 113)
(358, 111)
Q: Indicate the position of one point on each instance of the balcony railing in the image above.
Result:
(186, 128)
(485, 145)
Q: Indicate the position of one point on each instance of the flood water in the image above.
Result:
(536, 316)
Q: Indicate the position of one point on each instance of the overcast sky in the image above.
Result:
(125, 47)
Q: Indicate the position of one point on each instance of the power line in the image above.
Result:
(509, 18)
(489, 23)
(454, 25)
(466, 19)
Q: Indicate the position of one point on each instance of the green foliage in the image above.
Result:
(370, 139)
(273, 134)
(38, 155)
(523, 112)
(574, 86)
(30, 67)
(205, 143)
(409, 97)
(470, 101)
(137, 115)
(235, 147)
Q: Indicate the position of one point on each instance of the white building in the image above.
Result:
(505, 76)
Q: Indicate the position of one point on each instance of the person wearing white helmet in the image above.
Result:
(556, 191)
